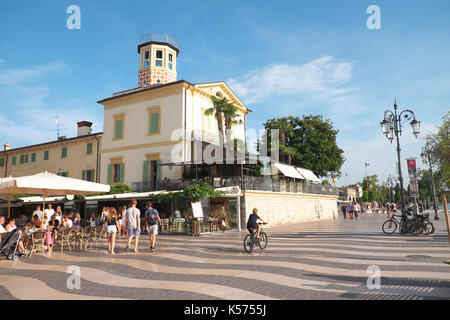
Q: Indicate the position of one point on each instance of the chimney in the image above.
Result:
(84, 128)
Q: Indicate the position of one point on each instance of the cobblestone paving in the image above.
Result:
(317, 260)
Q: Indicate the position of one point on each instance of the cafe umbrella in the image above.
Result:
(46, 184)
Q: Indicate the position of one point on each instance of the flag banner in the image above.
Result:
(412, 173)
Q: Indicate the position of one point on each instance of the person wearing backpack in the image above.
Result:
(152, 221)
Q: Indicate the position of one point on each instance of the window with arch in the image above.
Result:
(219, 94)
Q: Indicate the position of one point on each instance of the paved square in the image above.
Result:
(317, 260)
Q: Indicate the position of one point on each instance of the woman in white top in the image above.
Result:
(2, 221)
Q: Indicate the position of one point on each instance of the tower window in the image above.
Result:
(170, 61)
(146, 59)
(159, 58)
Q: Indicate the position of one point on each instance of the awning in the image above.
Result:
(289, 171)
(308, 174)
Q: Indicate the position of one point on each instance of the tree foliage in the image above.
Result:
(308, 142)
(120, 188)
(440, 151)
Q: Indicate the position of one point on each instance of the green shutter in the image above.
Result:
(109, 173)
(145, 172)
(122, 172)
(119, 127)
(46, 153)
(33, 157)
(89, 148)
(64, 152)
(2, 162)
(92, 175)
(14, 159)
(83, 175)
(154, 123)
(158, 170)
(26, 158)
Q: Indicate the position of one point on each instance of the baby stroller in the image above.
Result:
(9, 245)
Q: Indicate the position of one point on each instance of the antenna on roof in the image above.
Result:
(57, 126)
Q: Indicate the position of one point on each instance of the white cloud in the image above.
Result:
(18, 76)
(322, 77)
(26, 113)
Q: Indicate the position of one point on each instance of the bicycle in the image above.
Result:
(251, 240)
(416, 225)
(391, 224)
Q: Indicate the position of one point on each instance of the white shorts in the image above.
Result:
(153, 229)
(111, 229)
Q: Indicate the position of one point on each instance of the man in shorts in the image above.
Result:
(132, 221)
(152, 221)
(252, 223)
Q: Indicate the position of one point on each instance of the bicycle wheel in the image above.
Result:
(248, 243)
(389, 226)
(263, 241)
(428, 227)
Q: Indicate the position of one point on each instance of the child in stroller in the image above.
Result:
(12, 246)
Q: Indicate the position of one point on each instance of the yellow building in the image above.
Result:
(77, 157)
(153, 125)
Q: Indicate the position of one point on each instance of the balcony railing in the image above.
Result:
(248, 183)
(158, 37)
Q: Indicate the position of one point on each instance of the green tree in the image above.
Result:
(120, 188)
(199, 191)
(440, 151)
(219, 105)
(309, 142)
(231, 117)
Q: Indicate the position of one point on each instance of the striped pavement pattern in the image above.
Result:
(317, 260)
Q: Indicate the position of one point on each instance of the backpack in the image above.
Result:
(152, 217)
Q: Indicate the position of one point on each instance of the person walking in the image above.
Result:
(123, 230)
(344, 210)
(132, 221)
(152, 221)
(350, 210)
(111, 227)
(356, 210)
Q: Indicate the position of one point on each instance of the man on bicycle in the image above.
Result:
(252, 223)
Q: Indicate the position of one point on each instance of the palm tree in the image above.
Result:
(232, 118)
(217, 109)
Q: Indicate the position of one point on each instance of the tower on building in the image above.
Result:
(158, 65)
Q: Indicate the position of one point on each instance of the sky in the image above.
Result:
(281, 58)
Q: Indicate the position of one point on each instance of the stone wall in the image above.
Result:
(281, 208)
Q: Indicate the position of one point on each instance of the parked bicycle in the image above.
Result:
(251, 240)
(415, 225)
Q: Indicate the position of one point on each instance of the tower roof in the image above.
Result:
(158, 38)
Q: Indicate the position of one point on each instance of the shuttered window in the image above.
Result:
(118, 130)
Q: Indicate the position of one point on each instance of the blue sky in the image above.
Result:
(282, 58)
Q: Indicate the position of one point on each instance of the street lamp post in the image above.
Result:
(392, 125)
(6, 147)
(426, 159)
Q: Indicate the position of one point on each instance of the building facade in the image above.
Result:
(77, 157)
(148, 131)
